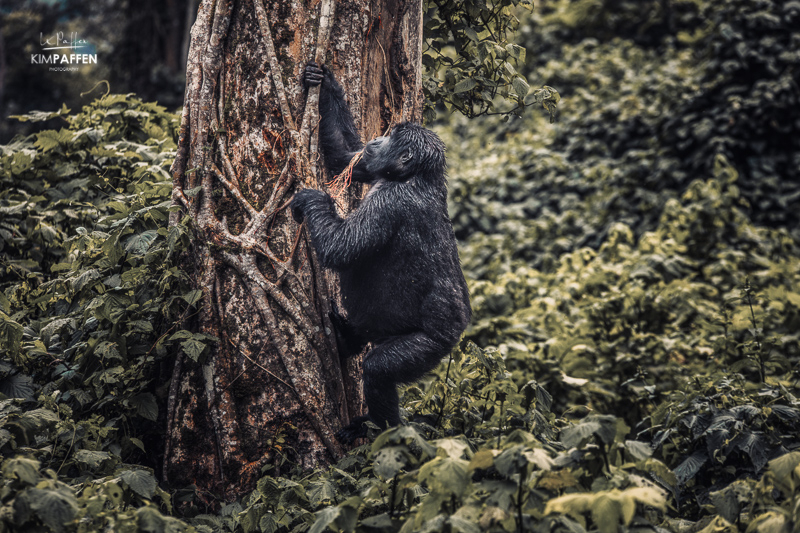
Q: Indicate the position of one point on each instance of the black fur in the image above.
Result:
(401, 280)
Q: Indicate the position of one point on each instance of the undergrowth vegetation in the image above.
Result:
(634, 269)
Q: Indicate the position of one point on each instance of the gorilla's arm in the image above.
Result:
(340, 242)
(337, 130)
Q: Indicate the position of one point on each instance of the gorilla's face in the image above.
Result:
(407, 151)
(385, 158)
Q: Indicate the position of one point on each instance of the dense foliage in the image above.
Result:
(89, 302)
(470, 62)
(633, 364)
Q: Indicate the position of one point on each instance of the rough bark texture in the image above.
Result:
(273, 386)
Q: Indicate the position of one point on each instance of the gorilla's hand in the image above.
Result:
(313, 75)
(301, 202)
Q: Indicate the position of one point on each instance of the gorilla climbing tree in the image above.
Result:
(260, 383)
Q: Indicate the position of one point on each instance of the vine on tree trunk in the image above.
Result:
(216, 243)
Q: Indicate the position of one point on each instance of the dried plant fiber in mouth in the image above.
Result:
(341, 182)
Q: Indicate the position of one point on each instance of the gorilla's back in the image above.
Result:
(415, 281)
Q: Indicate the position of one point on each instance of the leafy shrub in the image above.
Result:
(638, 124)
(34, 499)
(89, 301)
(500, 477)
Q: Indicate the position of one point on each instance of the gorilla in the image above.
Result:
(401, 282)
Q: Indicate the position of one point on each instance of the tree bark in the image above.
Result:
(271, 392)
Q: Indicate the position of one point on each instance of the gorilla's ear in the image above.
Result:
(406, 157)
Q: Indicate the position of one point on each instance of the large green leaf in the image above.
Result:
(55, 507)
(142, 482)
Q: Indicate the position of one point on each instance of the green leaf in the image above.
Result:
(193, 348)
(181, 334)
(390, 460)
(571, 504)
(690, 466)
(145, 405)
(516, 51)
(55, 508)
(193, 191)
(465, 85)
(91, 460)
(521, 86)
(517, 459)
(325, 519)
(462, 525)
(268, 523)
(606, 513)
(42, 116)
(269, 488)
(150, 520)
(108, 351)
(726, 503)
(22, 468)
(54, 326)
(603, 426)
(403, 435)
(192, 296)
(66, 170)
(638, 451)
(482, 460)
(321, 493)
(754, 446)
(142, 482)
(453, 448)
(5, 305)
(445, 476)
(10, 335)
(793, 298)
(140, 242)
(83, 279)
(250, 518)
(49, 139)
(17, 386)
(769, 522)
(140, 326)
(785, 468)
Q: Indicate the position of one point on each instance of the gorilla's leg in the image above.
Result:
(397, 360)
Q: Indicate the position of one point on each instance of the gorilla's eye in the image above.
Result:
(406, 157)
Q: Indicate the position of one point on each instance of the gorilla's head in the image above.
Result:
(409, 150)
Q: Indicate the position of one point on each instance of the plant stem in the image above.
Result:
(444, 396)
(761, 368)
(519, 498)
(394, 493)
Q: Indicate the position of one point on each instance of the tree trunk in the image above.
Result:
(270, 392)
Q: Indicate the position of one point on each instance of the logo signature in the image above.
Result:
(61, 49)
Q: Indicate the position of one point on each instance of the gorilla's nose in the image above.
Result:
(375, 143)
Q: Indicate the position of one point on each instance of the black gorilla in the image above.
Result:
(401, 280)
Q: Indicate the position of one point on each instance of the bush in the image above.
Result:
(88, 307)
